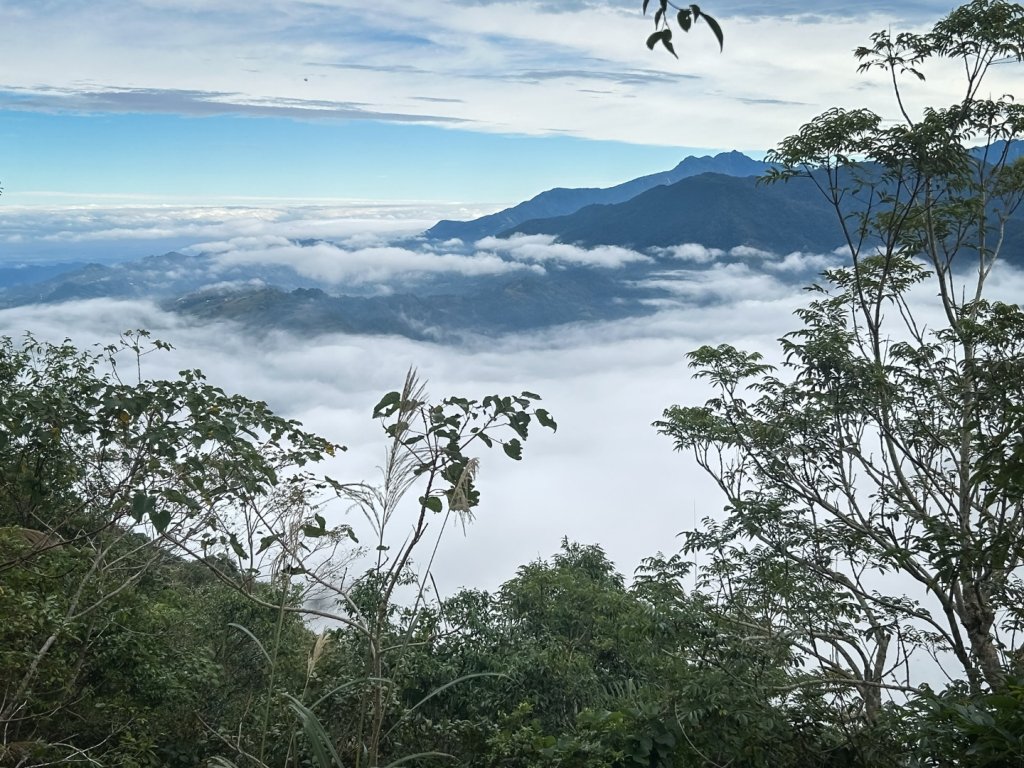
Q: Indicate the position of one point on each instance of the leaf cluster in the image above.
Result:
(685, 18)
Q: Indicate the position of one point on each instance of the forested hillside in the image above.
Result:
(171, 595)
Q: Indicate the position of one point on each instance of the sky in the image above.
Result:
(134, 128)
(478, 102)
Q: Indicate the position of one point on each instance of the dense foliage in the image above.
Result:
(141, 630)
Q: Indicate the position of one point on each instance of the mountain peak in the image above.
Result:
(732, 163)
(563, 201)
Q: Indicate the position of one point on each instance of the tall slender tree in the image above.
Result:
(874, 476)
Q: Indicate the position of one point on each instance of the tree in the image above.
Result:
(874, 477)
(162, 542)
(574, 669)
(372, 599)
(96, 473)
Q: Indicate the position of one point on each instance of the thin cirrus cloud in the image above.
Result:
(198, 104)
(738, 8)
(471, 61)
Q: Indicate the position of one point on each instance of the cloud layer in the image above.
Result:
(605, 477)
(531, 67)
(116, 233)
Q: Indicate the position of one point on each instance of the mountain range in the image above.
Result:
(715, 201)
(561, 201)
(567, 255)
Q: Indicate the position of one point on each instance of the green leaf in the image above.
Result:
(646, 3)
(513, 449)
(685, 20)
(236, 546)
(141, 506)
(545, 420)
(265, 543)
(396, 429)
(159, 517)
(439, 690)
(177, 497)
(696, 11)
(387, 405)
(409, 758)
(433, 503)
(665, 37)
(717, 31)
(320, 744)
(255, 639)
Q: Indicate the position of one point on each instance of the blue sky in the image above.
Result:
(168, 101)
(126, 158)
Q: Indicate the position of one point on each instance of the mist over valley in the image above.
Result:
(321, 325)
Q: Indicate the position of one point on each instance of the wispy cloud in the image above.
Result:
(333, 264)
(815, 9)
(468, 61)
(199, 104)
(627, 77)
(691, 252)
(799, 262)
(121, 232)
(543, 248)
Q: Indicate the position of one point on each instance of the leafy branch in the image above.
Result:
(686, 17)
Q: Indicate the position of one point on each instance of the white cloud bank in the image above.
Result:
(605, 477)
(114, 233)
(543, 248)
(335, 265)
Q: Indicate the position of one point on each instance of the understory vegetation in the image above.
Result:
(172, 592)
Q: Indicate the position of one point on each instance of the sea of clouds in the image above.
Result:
(605, 477)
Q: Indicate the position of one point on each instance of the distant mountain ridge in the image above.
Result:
(786, 232)
(713, 201)
(712, 209)
(562, 201)
(725, 211)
